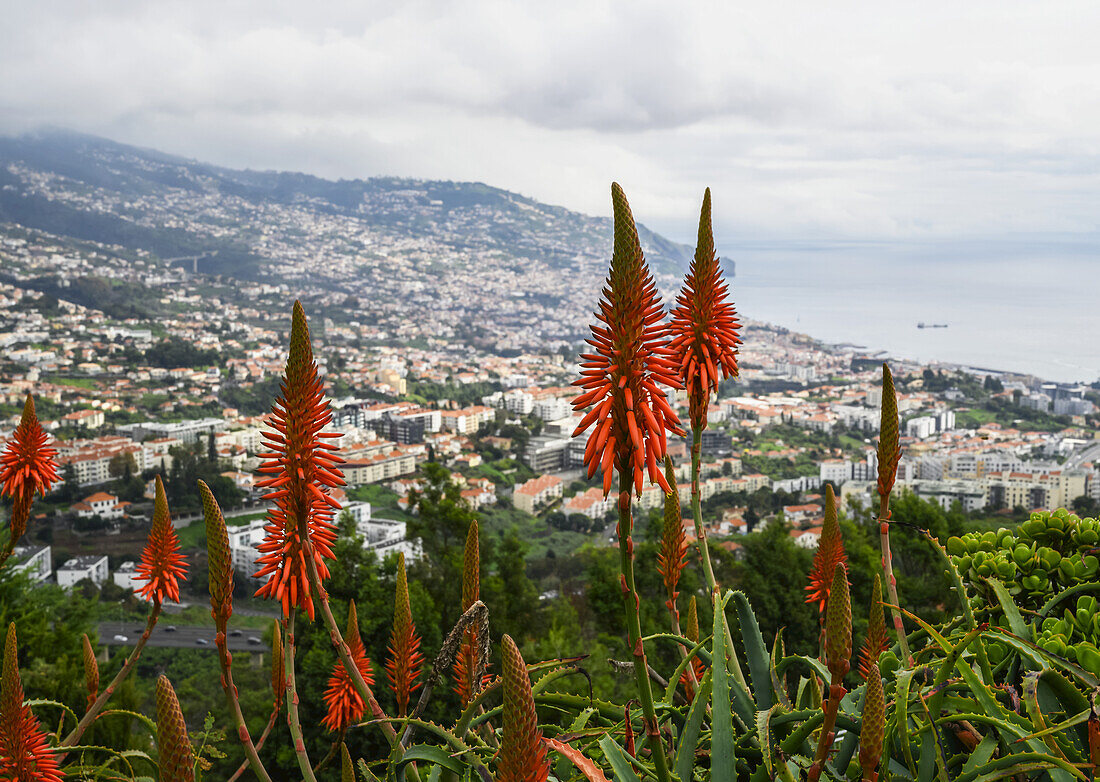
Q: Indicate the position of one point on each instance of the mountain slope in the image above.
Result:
(281, 226)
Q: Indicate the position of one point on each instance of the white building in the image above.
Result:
(35, 561)
(125, 576)
(101, 504)
(87, 566)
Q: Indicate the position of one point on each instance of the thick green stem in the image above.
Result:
(89, 716)
(292, 703)
(259, 743)
(634, 631)
(891, 580)
(704, 548)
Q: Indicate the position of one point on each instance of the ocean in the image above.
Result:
(1028, 308)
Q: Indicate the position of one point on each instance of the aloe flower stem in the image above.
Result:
(292, 718)
(226, 660)
(634, 630)
(825, 741)
(891, 579)
(89, 716)
(259, 744)
(704, 548)
(344, 653)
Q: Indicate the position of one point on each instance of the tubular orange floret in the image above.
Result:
(704, 325)
(278, 666)
(25, 755)
(27, 465)
(173, 745)
(830, 553)
(219, 559)
(875, 643)
(673, 553)
(630, 413)
(302, 468)
(889, 442)
(522, 755)
(91, 670)
(838, 626)
(162, 565)
(403, 665)
(343, 704)
(466, 658)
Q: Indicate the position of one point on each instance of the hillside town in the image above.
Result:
(188, 380)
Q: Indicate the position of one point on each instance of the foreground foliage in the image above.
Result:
(1006, 687)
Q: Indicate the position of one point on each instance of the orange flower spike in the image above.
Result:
(91, 670)
(830, 553)
(673, 553)
(621, 378)
(691, 632)
(27, 465)
(342, 703)
(173, 746)
(25, 755)
(302, 468)
(876, 642)
(704, 325)
(162, 566)
(522, 756)
(466, 659)
(403, 666)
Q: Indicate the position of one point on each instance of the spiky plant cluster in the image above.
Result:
(622, 379)
(830, 553)
(162, 565)
(302, 468)
(25, 754)
(704, 325)
(27, 465)
(522, 751)
(466, 661)
(342, 703)
(405, 659)
(177, 760)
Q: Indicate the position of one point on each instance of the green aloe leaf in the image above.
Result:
(755, 651)
(689, 739)
(723, 759)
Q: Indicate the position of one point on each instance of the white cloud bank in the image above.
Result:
(869, 120)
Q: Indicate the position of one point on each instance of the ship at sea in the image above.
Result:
(923, 325)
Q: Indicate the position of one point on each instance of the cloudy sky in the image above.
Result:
(858, 120)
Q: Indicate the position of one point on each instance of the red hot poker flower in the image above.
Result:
(465, 664)
(672, 555)
(162, 565)
(830, 553)
(621, 378)
(704, 325)
(403, 665)
(25, 755)
(302, 468)
(27, 466)
(522, 755)
(341, 700)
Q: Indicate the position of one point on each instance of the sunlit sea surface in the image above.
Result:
(1028, 309)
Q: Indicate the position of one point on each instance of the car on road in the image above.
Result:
(170, 629)
(202, 642)
(122, 638)
(234, 633)
(253, 640)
